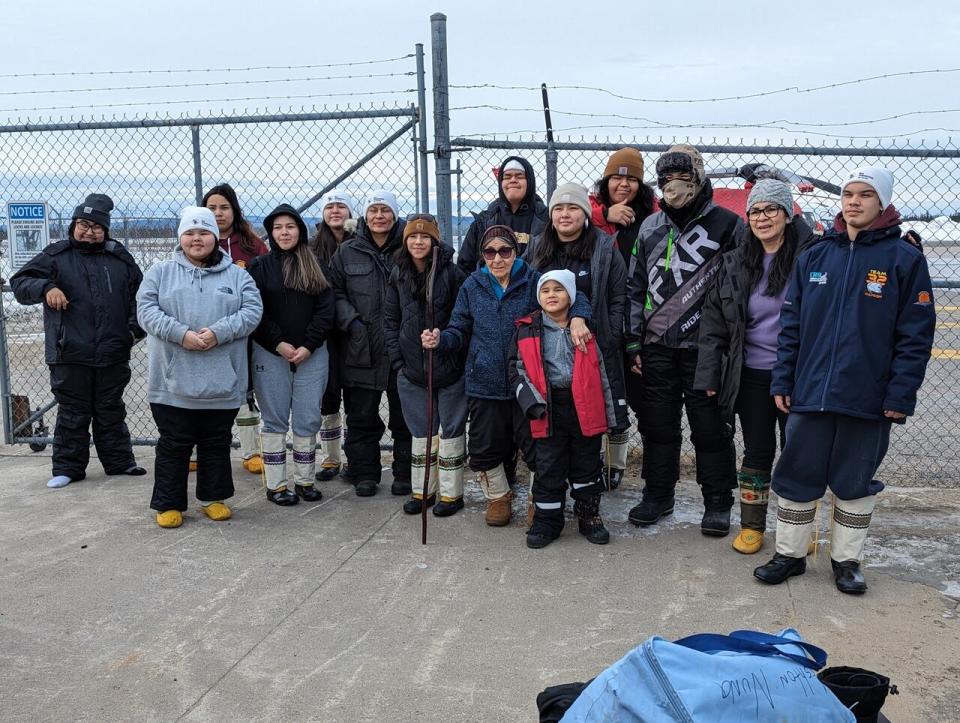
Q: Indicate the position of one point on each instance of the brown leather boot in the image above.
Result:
(499, 511)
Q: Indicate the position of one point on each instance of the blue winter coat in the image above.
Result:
(486, 324)
(857, 325)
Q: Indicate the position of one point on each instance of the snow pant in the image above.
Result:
(498, 429)
(667, 387)
(759, 420)
(365, 429)
(566, 455)
(331, 429)
(450, 421)
(211, 430)
(85, 394)
(289, 399)
(824, 450)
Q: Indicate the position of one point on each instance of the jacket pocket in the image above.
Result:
(201, 375)
(358, 349)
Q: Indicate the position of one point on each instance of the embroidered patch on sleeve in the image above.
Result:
(923, 298)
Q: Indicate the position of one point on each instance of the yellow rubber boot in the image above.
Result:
(748, 542)
(170, 519)
(217, 511)
(254, 464)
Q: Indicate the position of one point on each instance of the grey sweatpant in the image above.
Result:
(449, 408)
(290, 399)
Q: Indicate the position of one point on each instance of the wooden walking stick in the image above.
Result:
(426, 472)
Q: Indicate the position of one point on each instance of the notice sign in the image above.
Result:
(27, 229)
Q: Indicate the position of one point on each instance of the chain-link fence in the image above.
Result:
(927, 449)
(152, 169)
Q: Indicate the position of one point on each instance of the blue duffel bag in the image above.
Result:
(744, 676)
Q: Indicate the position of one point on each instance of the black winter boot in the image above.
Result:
(589, 521)
(848, 577)
(414, 506)
(716, 514)
(547, 526)
(780, 568)
(650, 510)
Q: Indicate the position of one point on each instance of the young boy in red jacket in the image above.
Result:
(566, 396)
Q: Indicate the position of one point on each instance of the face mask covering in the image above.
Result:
(678, 194)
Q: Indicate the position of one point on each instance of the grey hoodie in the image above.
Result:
(176, 297)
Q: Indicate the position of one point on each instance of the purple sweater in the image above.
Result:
(763, 323)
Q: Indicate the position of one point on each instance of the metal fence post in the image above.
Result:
(5, 399)
(441, 122)
(551, 152)
(424, 200)
(197, 172)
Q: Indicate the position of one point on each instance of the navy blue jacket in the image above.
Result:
(857, 325)
(486, 324)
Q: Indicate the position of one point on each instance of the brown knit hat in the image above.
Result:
(420, 224)
(504, 233)
(625, 162)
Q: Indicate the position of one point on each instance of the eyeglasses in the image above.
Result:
(767, 211)
(505, 252)
(88, 227)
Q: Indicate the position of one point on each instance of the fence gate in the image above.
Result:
(153, 168)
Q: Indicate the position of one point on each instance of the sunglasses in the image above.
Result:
(429, 217)
(505, 252)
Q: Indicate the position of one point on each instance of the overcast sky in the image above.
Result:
(677, 51)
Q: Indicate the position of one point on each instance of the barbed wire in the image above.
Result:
(203, 70)
(207, 101)
(667, 124)
(745, 96)
(209, 84)
(541, 131)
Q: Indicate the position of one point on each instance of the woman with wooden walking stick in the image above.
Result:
(407, 313)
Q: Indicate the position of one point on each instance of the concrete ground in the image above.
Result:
(335, 612)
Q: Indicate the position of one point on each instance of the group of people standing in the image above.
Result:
(550, 325)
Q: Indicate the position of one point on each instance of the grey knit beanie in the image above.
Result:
(771, 191)
(571, 193)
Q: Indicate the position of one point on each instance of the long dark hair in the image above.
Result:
(550, 245)
(414, 280)
(642, 203)
(324, 244)
(241, 227)
(782, 263)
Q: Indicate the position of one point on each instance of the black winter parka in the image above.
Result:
(99, 325)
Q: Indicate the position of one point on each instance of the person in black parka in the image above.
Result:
(518, 207)
(358, 272)
(405, 319)
(88, 286)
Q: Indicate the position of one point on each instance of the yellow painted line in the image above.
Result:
(949, 325)
(946, 353)
(948, 308)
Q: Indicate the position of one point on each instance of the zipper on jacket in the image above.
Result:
(679, 709)
(836, 334)
(106, 273)
(666, 266)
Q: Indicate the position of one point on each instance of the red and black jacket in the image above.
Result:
(590, 389)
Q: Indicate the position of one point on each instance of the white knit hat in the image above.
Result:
(565, 278)
(337, 197)
(197, 217)
(878, 178)
(384, 197)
